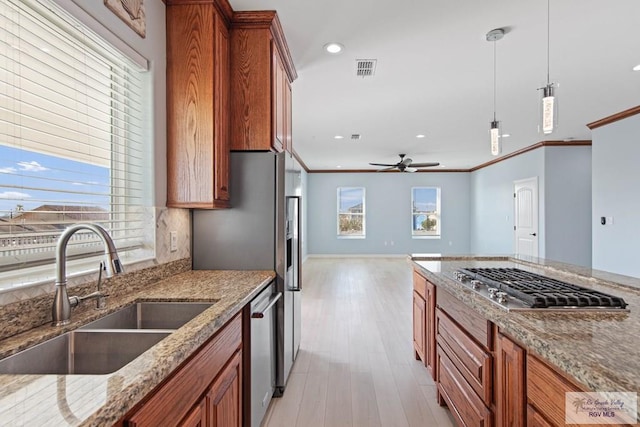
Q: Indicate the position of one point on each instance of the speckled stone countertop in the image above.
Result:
(600, 350)
(91, 400)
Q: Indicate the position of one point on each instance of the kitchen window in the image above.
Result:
(351, 213)
(74, 144)
(425, 212)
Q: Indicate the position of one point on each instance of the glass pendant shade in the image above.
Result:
(549, 109)
(494, 133)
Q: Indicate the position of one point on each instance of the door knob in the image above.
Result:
(532, 234)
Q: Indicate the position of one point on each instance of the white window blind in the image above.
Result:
(73, 140)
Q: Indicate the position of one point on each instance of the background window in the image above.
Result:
(74, 144)
(425, 212)
(351, 212)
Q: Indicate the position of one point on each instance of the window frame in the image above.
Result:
(438, 214)
(363, 214)
(97, 40)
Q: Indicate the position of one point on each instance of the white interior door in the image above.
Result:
(525, 197)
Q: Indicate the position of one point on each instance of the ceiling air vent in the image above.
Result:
(365, 67)
(355, 136)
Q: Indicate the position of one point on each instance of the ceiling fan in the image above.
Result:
(404, 165)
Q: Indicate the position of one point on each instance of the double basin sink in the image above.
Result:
(106, 344)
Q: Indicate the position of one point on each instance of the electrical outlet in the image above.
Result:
(173, 241)
(610, 220)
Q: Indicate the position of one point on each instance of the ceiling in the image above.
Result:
(435, 74)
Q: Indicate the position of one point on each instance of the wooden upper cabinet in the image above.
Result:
(261, 74)
(198, 86)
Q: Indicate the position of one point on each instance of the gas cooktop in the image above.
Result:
(515, 289)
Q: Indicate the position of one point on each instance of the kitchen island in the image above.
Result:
(596, 350)
(104, 399)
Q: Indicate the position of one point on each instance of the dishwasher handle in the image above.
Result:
(272, 301)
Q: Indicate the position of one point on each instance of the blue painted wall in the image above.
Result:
(492, 202)
(616, 193)
(388, 213)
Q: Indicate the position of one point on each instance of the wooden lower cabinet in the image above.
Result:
(535, 418)
(419, 323)
(546, 388)
(197, 417)
(223, 400)
(465, 405)
(205, 391)
(510, 383)
(424, 306)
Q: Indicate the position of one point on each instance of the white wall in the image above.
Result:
(492, 202)
(616, 175)
(388, 213)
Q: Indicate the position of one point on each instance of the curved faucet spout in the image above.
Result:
(61, 304)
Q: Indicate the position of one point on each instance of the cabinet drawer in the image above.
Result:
(465, 405)
(534, 419)
(473, 323)
(546, 390)
(420, 284)
(471, 360)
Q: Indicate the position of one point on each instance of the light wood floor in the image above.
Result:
(356, 365)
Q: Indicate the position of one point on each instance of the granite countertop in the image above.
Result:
(103, 399)
(601, 350)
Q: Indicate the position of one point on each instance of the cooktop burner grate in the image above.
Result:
(542, 292)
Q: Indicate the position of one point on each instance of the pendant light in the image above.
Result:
(549, 112)
(494, 126)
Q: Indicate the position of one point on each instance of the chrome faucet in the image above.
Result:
(62, 303)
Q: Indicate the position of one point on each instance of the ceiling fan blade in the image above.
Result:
(408, 169)
(387, 169)
(406, 161)
(381, 164)
(424, 165)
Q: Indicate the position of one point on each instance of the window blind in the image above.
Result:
(73, 139)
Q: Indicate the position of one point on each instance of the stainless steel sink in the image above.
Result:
(150, 315)
(82, 352)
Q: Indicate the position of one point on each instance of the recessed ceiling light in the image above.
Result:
(338, 137)
(338, 166)
(505, 135)
(420, 136)
(333, 48)
(442, 166)
(636, 68)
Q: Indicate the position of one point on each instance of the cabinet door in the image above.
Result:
(419, 306)
(224, 397)
(197, 107)
(510, 383)
(197, 417)
(278, 109)
(430, 329)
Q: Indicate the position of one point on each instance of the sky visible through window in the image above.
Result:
(34, 179)
(350, 197)
(425, 199)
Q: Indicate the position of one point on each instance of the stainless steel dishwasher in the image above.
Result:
(263, 352)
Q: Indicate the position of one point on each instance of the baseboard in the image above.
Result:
(356, 256)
